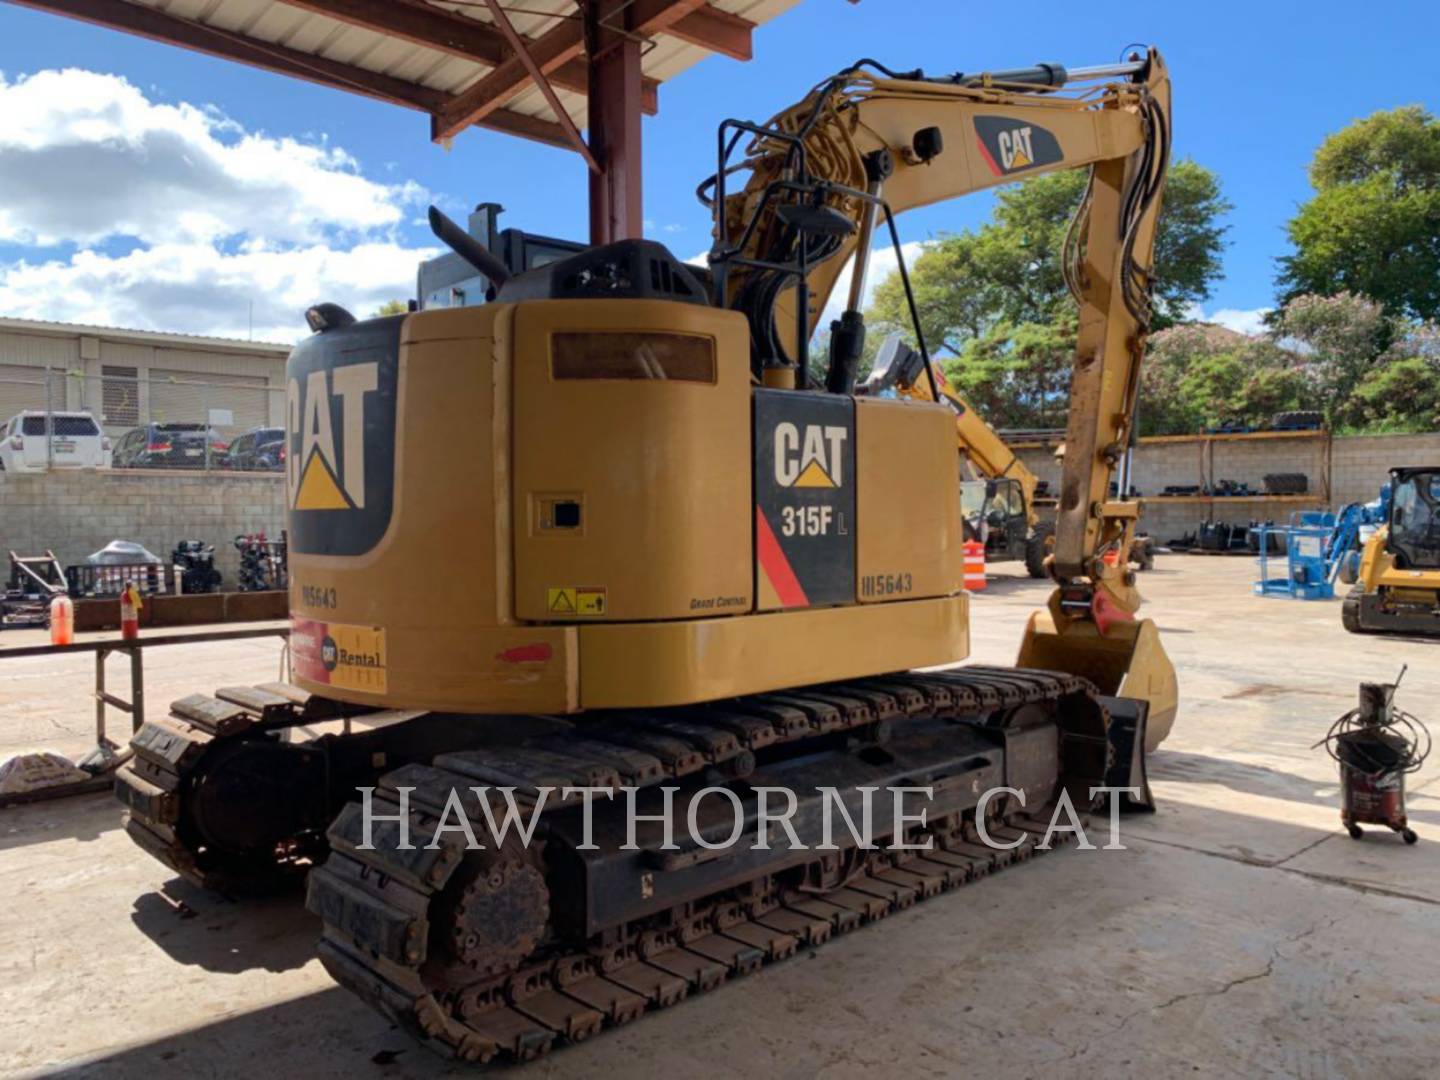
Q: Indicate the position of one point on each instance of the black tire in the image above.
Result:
(1408, 835)
(1350, 612)
(1355, 831)
(1037, 548)
(1298, 420)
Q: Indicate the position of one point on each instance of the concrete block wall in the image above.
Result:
(1357, 466)
(76, 513)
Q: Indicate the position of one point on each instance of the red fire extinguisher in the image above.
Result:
(130, 605)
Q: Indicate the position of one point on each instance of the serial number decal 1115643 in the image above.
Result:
(886, 584)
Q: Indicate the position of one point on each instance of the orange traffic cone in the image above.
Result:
(974, 565)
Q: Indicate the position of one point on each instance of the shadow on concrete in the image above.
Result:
(201, 929)
(1182, 766)
(330, 1031)
(79, 817)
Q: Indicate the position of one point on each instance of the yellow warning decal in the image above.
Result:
(318, 489)
(814, 476)
(575, 601)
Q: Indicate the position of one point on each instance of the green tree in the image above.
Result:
(391, 307)
(1018, 376)
(1008, 271)
(1199, 375)
(1373, 225)
(1342, 337)
(994, 299)
(1400, 395)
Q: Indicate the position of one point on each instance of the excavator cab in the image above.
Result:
(994, 513)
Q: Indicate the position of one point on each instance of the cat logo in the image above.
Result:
(812, 459)
(342, 388)
(1010, 146)
(317, 477)
(1015, 152)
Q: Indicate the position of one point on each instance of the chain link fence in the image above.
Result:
(55, 419)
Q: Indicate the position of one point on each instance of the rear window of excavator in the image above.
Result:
(677, 357)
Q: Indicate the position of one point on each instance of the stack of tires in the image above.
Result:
(1286, 483)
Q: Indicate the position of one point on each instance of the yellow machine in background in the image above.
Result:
(1397, 588)
(682, 565)
(999, 509)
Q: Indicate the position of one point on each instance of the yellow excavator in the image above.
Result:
(683, 576)
(997, 502)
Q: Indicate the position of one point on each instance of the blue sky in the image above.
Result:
(1257, 86)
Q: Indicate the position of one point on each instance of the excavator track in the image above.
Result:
(173, 759)
(507, 951)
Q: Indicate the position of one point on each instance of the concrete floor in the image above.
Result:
(1240, 932)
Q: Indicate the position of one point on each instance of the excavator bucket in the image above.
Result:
(1127, 660)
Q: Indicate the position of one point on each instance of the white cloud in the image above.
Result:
(213, 221)
(194, 288)
(85, 157)
(1242, 321)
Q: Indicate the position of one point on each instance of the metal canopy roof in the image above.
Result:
(448, 58)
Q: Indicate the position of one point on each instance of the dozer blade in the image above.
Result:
(1128, 660)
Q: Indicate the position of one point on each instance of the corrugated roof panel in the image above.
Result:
(282, 24)
(304, 31)
(452, 74)
(185, 9)
(391, 56)
(228, 15)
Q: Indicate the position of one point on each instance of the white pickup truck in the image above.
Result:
(77, 442)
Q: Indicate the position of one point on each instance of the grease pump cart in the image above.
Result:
(1376, 746)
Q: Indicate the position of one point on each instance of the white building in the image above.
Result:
(126, 378)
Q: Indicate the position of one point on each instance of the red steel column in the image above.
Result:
(616, 208)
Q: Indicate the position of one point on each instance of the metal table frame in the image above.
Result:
(135, 707)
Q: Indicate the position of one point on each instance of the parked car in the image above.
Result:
(78, 442)
(169, 446)
(260, 449)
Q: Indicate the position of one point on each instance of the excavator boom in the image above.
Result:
(870, 143)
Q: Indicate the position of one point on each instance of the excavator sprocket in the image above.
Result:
(504, 950)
